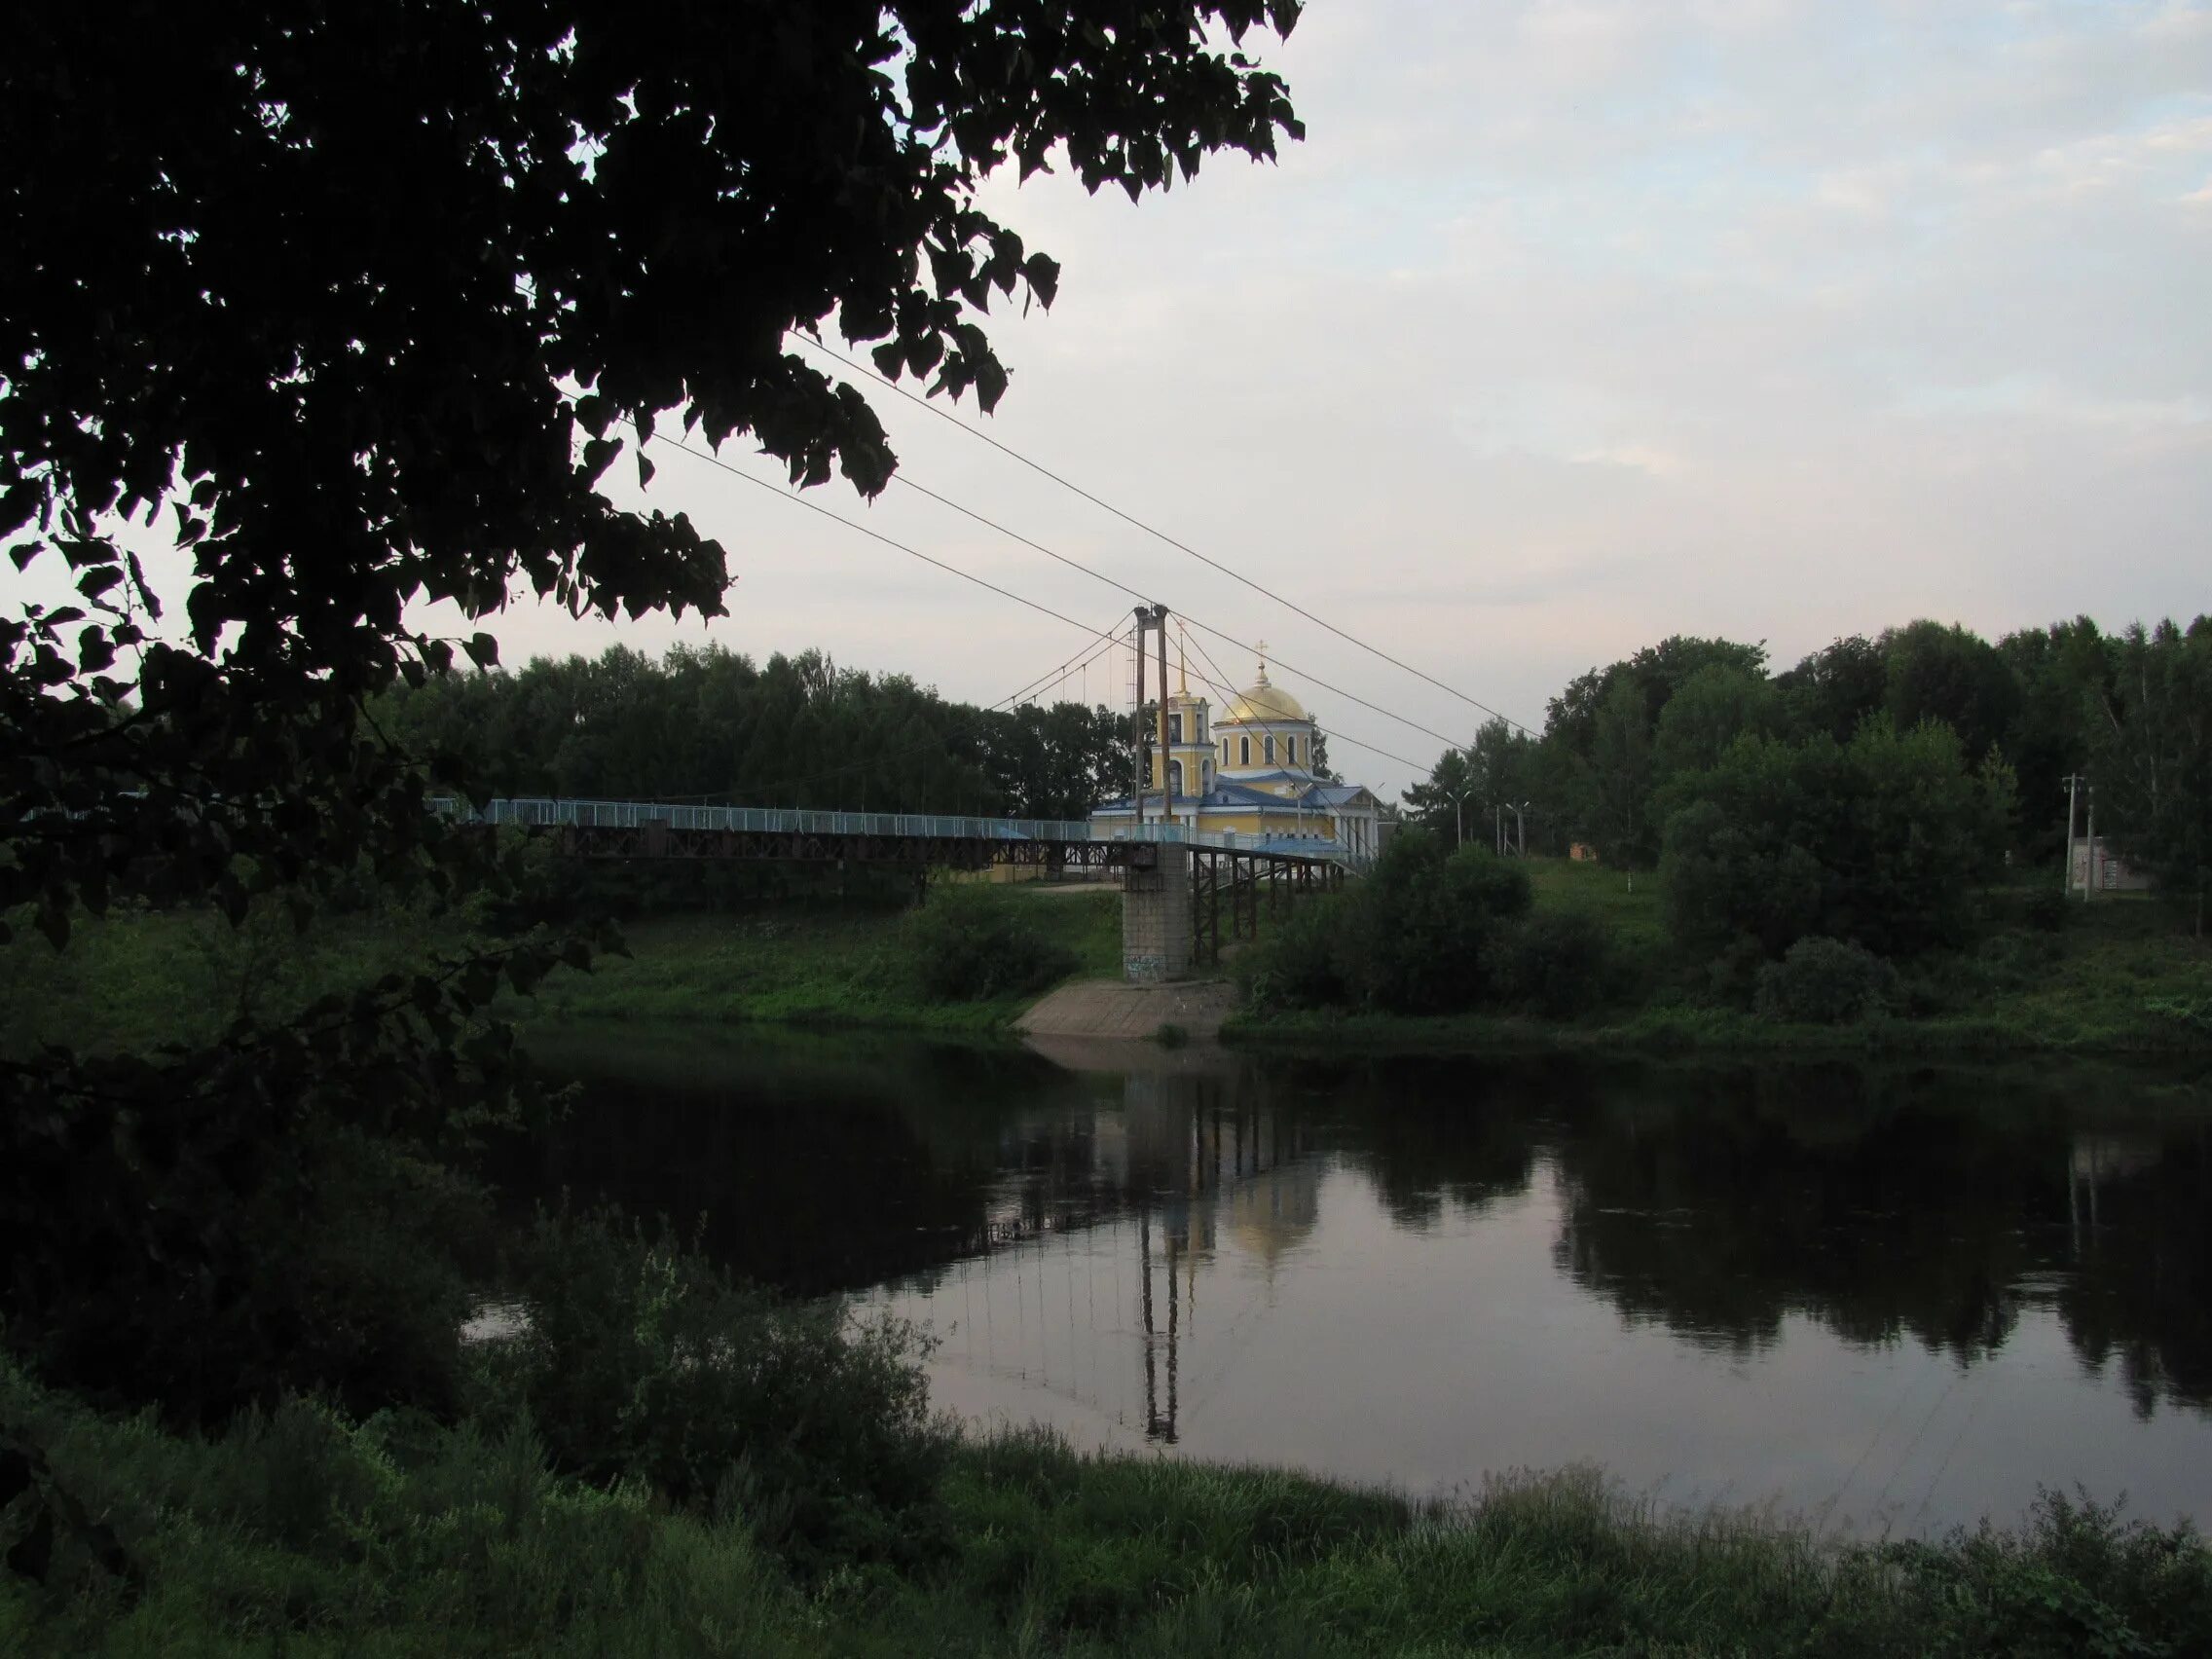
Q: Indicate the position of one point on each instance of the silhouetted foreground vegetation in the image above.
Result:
(301, 1531)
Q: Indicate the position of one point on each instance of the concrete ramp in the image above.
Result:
(1114, 1010)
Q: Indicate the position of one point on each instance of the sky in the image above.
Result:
(1571, 324)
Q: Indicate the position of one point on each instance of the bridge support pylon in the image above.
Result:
(1156, 917)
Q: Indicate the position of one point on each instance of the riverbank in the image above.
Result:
(303, 1533)
(2115, 977)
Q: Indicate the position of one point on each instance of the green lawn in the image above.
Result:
(1628, 903)
(818, 967)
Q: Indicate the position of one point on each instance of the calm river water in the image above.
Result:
(1883, 1300)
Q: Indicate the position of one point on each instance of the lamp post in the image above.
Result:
(1459, 819)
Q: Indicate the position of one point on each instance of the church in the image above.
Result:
(1251, 772)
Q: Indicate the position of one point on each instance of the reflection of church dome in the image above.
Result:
(1261, 702)
(1270, 1214)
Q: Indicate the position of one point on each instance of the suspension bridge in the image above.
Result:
(1178, 884)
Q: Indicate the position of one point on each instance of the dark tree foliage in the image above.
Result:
(357, 305)
(1944, 673)
(2062, 674)
(1880, 841)
(371, 298)
(2154, 755)
(1836, 687)
(1657, 672)
(708, 725)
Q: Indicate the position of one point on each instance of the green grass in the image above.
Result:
(300, 1533)
(1626, 902)
(792, 967)
(139, 978)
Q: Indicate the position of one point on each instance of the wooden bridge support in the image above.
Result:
(1242, 882)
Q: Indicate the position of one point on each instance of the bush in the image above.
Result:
(1296, 966)
(1422, 928)
(1559, 965)
(641, 1360)
(972, 943)
(2045, 911)
(1825, 982)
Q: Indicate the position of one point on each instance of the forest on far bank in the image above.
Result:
(1625, 747)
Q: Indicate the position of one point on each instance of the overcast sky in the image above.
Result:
(1570, 326)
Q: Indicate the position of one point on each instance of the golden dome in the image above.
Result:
(1262, 704)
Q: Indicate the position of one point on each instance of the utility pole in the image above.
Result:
(1166, 794)
(1137, 796)
(2066, 878)
(2089, 864)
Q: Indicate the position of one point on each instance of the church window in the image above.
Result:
(1244, 752)
(1269, 742)
(1290, 749)
(1174, 777)
(1174, 729)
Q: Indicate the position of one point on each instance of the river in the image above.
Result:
(1883, 1300)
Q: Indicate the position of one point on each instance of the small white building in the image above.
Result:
(2100, 869)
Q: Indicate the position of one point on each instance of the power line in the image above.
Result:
(1327, 731)
(712, 459)
(1008, 593)
(1158, 535)
(1124, 587)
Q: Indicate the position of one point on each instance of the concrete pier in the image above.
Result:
(1155, 918)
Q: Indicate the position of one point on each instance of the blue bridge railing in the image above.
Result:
(546, 812)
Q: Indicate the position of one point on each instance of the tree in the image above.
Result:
(1467, 785)
(1879, 841)
(1619, 772)
(1835, 687)
(2154, 755)
(373, 299)
(2063, 674)
(1713, 708)
(359, 304)
(1947, 674)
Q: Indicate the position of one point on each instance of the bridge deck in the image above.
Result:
(629, 828)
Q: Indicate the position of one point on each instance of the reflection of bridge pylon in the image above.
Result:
(1059, 1278)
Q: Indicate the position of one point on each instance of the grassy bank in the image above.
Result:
(139, 978)
(801, 968)
(301, 1534)
(2118, 976)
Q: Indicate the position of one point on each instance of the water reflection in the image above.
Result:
(1900, 1295)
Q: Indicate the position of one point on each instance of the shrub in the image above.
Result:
(2045, 911)
(1296, 966)
(641, 1360)
(1421, 931)
(972, 943)
(1825, 982)
(1559, 965)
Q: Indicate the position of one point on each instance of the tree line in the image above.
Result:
(1858, 791)
(706, 725)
